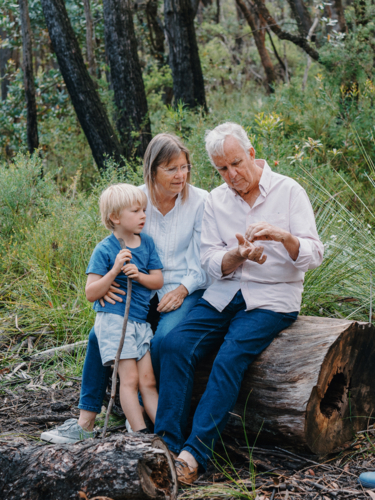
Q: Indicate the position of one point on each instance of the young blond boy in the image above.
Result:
(123, 211)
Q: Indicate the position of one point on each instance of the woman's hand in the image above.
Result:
(112, 295)
(173, 300)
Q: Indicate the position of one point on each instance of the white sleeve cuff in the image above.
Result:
(304, 255)
(214, 266)
(190, 283)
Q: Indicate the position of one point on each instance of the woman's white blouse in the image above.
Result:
(177, 236)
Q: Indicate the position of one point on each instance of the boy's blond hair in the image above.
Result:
(117, 197)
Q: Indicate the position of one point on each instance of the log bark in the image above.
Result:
(122, 467)
(259, 38)
(90, 110)
(311, 389)
(28, 78)
(188, 84)
(126, 77)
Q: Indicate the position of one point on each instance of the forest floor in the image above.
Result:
(28, 407)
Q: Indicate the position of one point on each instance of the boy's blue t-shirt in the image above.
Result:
(144, 257)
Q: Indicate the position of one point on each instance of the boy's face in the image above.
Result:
(131, 219)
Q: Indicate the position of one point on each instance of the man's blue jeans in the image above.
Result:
(242, 335)
(95, 376)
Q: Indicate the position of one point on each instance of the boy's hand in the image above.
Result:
(122, 257)
(131, 271)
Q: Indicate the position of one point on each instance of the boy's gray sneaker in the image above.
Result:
(69, 432)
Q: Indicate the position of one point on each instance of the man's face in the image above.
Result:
(236, 167)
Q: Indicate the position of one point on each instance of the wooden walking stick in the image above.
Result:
(121, 344)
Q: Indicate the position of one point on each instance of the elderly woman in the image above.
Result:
(174, 218)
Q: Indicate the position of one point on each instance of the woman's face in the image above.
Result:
(170, 183)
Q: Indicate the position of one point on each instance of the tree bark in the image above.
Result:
(90, 45)
(188, 84)
(301, 15)
(300, 41)
(259, 38)
(5, 55)
(90, 110)
(340, 16)
(156, 30)
(122, 467)
(310, 389)
(28, 77)
(126, 77)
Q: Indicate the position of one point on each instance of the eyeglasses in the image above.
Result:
(173, 170)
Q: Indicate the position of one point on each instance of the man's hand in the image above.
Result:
(236, 257)
(111, 296)
(173, 300)
(268, 232)
(131, 271)
(249, 251)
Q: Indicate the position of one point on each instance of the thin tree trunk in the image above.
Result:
(126, 77)
(90, 44)
(90, 110)
(188, 84)
(259, 38)
(217, 11)
(300, 41)
(5, 55)
(28, 76)
(301, 15)
(156, 30)
(340, 16)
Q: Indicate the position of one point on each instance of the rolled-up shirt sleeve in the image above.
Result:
(303, 226)
(213, 248)
(195, 277)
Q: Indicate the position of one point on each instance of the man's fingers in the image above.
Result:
(113, 297)
(102, 303)
(240, 238)
(262, 259)
(114, 284)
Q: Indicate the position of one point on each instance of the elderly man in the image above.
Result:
(256, 292)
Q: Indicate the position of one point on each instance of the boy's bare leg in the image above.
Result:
(129, 379)
(87, 420)
(147, 386)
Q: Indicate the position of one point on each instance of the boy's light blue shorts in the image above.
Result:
(108, 328)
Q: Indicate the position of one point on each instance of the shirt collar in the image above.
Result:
(265, 180)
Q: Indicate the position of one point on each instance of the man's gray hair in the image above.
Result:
(215, 138)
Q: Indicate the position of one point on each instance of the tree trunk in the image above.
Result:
(5, 55)
(90, 110)
(122, 467)
(311, 389)
(301, 15)
(340, 16)
(90, 46)
(126, 77)
(28, 77)
(156, 30)
(188, 84)
(259, 38)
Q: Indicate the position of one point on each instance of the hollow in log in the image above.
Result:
(311, 389)
(121, 467)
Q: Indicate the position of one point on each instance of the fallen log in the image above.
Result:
(311, 389)
(121, 467)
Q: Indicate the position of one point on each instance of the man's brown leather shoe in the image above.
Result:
(185, 474)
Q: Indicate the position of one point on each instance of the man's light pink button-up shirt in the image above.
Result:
(278, 283)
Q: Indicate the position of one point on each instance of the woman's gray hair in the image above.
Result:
(162, 149)
(215, 139)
